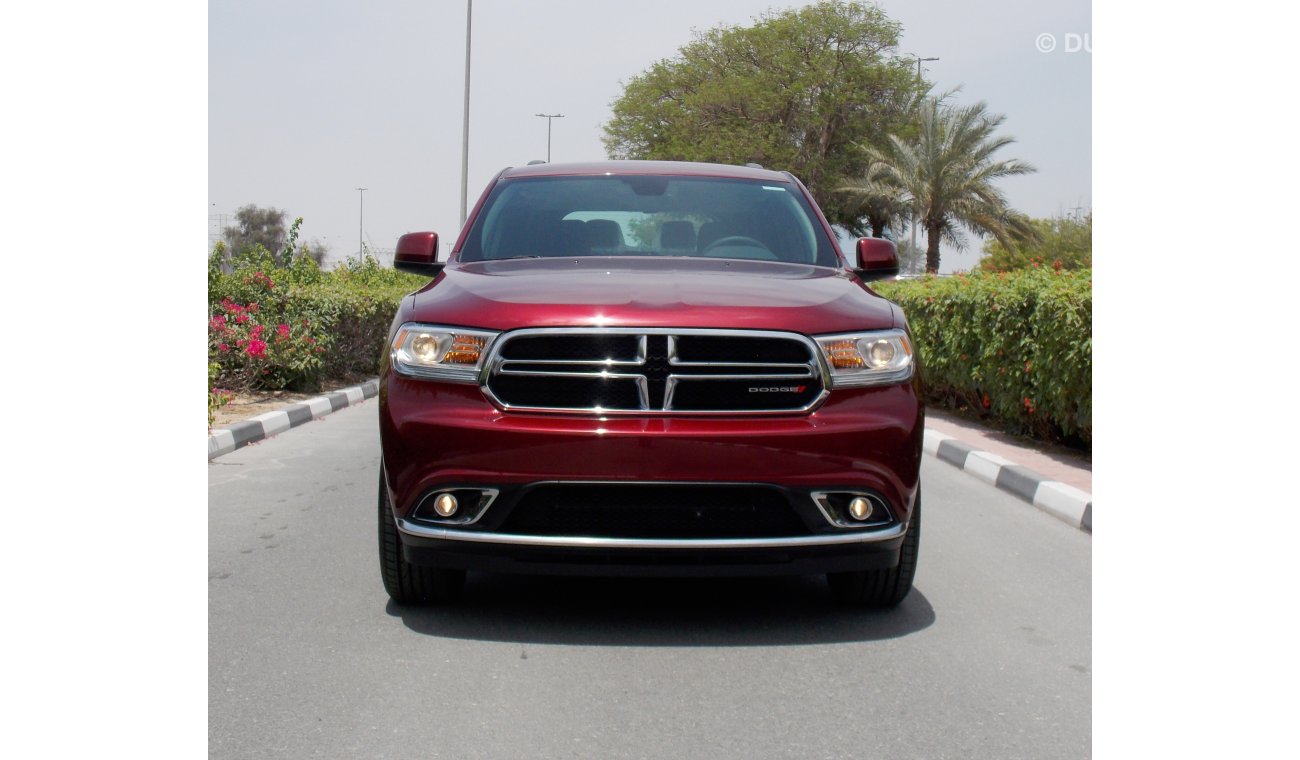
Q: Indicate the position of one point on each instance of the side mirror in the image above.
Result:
(877, 259)
(417, 253)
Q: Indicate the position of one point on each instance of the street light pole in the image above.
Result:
(361, 224)
(918, 65)
(464, 147)
(914, 209)
(548, 117)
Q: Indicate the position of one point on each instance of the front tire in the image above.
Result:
(409, 584)
(884, 587)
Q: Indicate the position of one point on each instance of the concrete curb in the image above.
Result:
(226, 439)
(1062, 501)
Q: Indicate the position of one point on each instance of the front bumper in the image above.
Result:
(439, 435)
(569, 555)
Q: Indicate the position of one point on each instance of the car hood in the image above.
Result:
(649, 292)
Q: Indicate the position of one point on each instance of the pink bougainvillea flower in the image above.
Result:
(256, 332)
(223, 348)
(283, 329)
(241, 319)
(218, 323)
(256, 348)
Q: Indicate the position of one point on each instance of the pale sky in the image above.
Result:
(309, 100)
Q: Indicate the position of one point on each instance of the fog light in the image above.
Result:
(445, 505)
(860, 508)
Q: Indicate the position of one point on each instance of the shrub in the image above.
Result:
(291, 327)
(1015, 347)
(257, 349)
(217, 397)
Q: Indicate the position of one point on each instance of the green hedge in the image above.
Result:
(293, 327)
(1015, 347)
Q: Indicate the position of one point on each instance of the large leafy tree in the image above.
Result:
(1063, 242)
(260, 236)
(948, 175)
(257, 226)
(800, 90)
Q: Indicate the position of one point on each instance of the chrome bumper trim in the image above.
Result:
(592, 542)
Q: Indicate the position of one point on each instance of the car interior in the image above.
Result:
(644, 216)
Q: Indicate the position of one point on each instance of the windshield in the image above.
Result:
(648, 215)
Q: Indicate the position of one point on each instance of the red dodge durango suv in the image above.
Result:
(649, 368)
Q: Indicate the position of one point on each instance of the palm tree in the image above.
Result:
(873, 198)
(947, 175)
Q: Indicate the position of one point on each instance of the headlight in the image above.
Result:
(873, 358)
(440, 353)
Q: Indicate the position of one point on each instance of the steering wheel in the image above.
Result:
(735, 241)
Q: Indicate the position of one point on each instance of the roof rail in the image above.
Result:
(535, 162)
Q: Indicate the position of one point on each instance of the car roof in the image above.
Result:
(661, 168)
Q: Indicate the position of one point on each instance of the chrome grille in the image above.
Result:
(654, 371)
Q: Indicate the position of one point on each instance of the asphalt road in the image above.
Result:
(990, 656)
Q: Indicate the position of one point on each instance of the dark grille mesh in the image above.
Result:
(728, 348)
(566, 392)
(654, 511)
(572, 347)
(700, 395)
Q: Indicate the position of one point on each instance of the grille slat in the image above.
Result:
(660, 371)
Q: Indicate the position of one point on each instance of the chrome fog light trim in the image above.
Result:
(853, 509)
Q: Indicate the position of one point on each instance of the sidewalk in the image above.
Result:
(1055, 462)
(1052, 478)
(225, 439)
